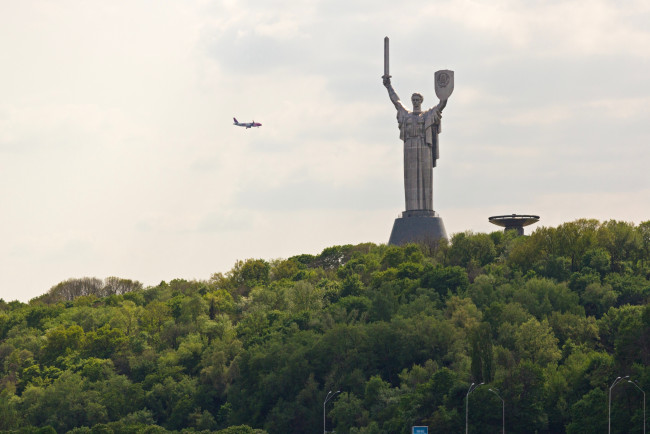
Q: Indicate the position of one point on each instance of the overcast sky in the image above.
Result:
(118, 156)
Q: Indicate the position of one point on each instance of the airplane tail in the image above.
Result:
(235, 119)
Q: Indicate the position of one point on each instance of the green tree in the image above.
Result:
(482, 365)
(597, 299)
(621, 240)
(103, 342)
(598, 259)
(644, 235)
(348, 412)
(61, 340)
(536, 342)
(589, 414)
(468, 247)
(172, 402)
(445, 280)
(42, 406)
(10, 418)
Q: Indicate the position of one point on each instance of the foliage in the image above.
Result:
(548, 321)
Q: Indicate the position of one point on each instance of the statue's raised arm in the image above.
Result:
(393, 95)
(386, 79)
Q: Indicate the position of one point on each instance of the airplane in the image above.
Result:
(246, 124)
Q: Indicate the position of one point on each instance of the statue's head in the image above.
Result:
(417, 99)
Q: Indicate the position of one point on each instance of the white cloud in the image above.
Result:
(540, 116)
(586, 28)
(622, 108)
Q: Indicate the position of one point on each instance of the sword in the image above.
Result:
(386, 74)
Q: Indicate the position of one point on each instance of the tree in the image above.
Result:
(523, 392)
(597, 299)
(573, 239)
(543, 296)
(598, 259)
(589, 415)
(480, 338)
(348, 412)
(104, 342)
(119, 286)
(172, 402)
(536, 342)
(644, 234)
(445, 280)
(468, 247)
(244, 276)
(61, 340)
(72, 288)
(42, 406)
(10, 418)
(303, 296)
(621, 240)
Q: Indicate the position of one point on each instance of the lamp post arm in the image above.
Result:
(467, 408)
(472, 388)
(609, 402)
(328, 398)
(325, 402)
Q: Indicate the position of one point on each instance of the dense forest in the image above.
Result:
(547, 322)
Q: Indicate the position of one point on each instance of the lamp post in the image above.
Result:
(503, 411)
(637, 386)
(472, 387)
(328, 398)
(609, 406)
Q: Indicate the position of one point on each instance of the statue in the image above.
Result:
(419, 131)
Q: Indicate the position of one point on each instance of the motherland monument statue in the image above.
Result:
(419, 130)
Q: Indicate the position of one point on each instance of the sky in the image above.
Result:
(118, 156)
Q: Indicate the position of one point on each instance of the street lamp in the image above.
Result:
(609, 400)
(503, 411)
(472, 387)
(328, 398)
(637, 386)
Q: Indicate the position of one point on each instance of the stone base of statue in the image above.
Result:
(417, 226)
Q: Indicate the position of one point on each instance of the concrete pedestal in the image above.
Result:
(420, 226)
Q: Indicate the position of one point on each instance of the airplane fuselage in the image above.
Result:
(246, 125)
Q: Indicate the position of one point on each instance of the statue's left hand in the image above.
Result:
(442, 105)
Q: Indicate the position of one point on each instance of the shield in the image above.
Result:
(444, 83)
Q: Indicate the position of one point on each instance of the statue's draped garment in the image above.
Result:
(419, 131)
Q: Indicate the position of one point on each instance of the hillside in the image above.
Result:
(546, 321)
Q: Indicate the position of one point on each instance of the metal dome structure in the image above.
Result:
(514, 221)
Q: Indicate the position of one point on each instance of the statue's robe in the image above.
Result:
(419, 132)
